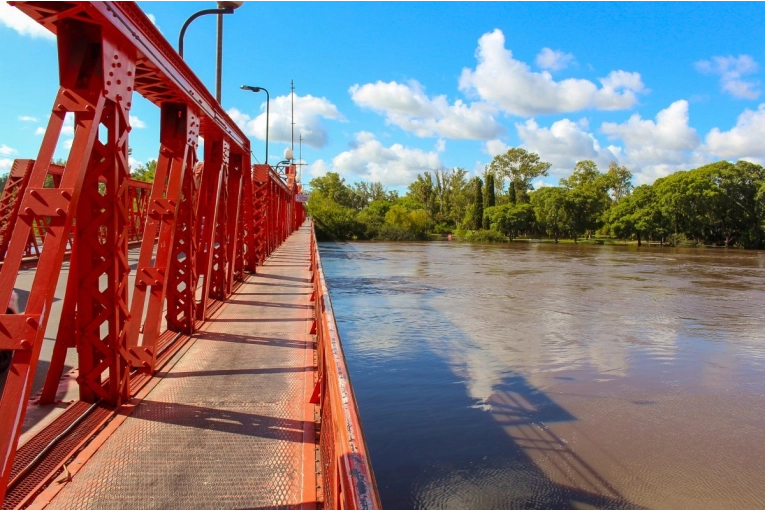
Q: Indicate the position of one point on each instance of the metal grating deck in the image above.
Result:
(224, 428)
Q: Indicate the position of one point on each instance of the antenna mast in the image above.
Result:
(292, 97)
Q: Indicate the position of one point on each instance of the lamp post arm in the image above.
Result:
(225, 10)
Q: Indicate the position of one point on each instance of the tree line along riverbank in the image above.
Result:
(720, 204)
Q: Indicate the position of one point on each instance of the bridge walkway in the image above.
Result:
(228, 425)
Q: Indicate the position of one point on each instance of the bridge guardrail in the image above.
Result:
(346, 470)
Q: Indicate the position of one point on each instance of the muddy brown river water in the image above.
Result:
(542, 376)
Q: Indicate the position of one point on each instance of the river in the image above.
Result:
(534, 375)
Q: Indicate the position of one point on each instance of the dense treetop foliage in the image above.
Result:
(717, 204)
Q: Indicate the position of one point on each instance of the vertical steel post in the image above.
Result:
(178, 137)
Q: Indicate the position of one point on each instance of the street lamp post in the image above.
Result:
(268, 108)
(223, 8)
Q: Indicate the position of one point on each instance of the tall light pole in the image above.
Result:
(268, 109)
(223, 8)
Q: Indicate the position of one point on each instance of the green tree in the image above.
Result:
(510, 219)
(587, 199)
(404, 224)
(550, 210)
(333, 221)
(145, 172)
(637, 214)
(424, 192)
(619, 181)
(333, 187)
(520, 167)
(478, 204)
(373, 218)
(490, 199)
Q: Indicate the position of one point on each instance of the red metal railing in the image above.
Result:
(347, 479)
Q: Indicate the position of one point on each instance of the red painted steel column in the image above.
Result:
(178, 138)
(233, 229)
(260, 211)
(182, 276)
(216, 159)
(86, 55)
(219, 252)
(248, 260)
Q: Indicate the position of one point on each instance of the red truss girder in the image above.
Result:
(203, 225)
(10, 200)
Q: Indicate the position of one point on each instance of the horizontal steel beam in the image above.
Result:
(161, 74)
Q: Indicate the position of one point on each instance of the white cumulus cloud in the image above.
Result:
(731, 70)
(742, 141)
(5, 165)
(40, 131)
(27, 118)
(370, 160)
(670, 130)
(554, 60)
(563, 144)
(409, 107)
(655, 148)
(137, 123)
(516, 89)
(309, 114)
(153, 20)
(21, 23)
(495, 147)
(68, 126)
(7, 151)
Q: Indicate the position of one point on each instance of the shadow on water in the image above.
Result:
(432, 445)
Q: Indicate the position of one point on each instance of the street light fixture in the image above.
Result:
(223, 8)
(268, 104)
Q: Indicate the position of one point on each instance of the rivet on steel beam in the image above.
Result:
(147, 351)
(28, 210)
(60, 211)
(146, 364)
(25, 344)
(31, 322)
(66, 195)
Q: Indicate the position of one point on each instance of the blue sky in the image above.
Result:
(384, 91)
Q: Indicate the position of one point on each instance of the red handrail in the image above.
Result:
(347, 478)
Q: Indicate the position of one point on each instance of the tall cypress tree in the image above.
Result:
(478, 209)
(490, 200)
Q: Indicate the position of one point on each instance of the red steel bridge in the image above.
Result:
(209, 375)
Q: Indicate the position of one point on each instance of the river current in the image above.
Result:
(533, 375)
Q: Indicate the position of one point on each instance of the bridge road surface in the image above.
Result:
(39, 416)
(229, 425)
